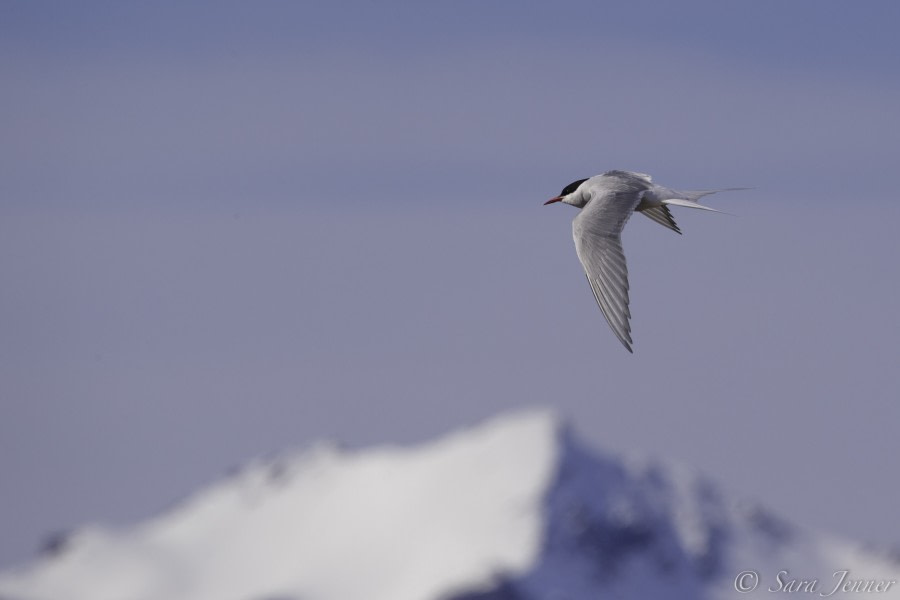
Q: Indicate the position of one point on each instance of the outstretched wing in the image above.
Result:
(597, 231)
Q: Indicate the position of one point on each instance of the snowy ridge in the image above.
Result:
(514, 509)
(638, 529)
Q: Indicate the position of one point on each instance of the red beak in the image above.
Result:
(552, 200)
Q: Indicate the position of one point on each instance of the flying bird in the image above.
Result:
(607, 201)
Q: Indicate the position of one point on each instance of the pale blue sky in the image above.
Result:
(230, 228)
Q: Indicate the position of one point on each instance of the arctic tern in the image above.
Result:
(607, 201)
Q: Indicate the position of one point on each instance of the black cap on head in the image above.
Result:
(571, 187)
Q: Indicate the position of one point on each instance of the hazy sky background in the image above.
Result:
(228, 228)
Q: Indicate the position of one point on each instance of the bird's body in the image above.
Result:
(607, 202)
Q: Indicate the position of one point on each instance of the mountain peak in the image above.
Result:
(516, 507)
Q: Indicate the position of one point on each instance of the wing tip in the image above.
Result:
(626, 340)
(662, 215)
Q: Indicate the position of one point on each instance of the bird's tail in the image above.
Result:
(689, 204)
(689, 199)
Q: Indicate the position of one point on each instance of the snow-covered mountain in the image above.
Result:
(514, 509)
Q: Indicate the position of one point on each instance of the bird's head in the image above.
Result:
(571, 195)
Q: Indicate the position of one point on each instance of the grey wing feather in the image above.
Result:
(597, 230)
(628, 175)
(661, 215)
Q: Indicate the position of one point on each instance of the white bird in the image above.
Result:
(607, 201)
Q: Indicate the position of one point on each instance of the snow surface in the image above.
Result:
(515, 508)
